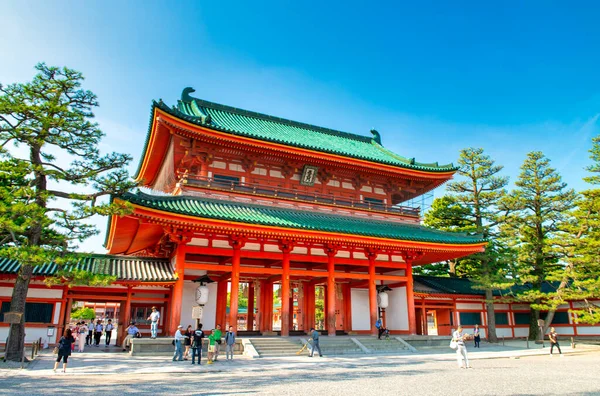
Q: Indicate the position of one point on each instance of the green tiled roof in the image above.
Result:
(296, 219)
(123, 267)
(274, 129)
(440, 285)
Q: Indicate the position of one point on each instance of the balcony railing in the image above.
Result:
(291, 194)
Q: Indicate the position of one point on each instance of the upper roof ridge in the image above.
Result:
(186, 98)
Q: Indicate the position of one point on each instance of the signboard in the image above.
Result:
(12, 317)
(309, 175)
(197, 312)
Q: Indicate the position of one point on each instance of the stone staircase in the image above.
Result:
(339, 346)
(277, 347)
(383, 346)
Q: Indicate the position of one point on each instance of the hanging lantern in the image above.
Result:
(202, 295)
(382, 300)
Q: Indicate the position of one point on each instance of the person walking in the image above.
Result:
(82, 331)
(132, 331)
(229, 343)
(197, 338)
(314, 335)
(379, 326)
(98, 332)
(108, 332)
(553, 336)
(64, 349)
(188, 342)
(218, 334)
(179, 339)
(476, 336)
(154, 318)
(90, 335)
(461, 349)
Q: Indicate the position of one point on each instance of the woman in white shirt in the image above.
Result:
(461, 350)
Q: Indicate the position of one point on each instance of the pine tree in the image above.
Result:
(480, 190)
(49, 194)
(538, 206)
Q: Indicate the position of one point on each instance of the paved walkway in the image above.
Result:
(97, 361)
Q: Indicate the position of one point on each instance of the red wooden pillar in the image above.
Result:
(221, 302)
(331, 251)
(347, 301)
(424, 320)
(410, 298)
(177, 295)
(286, 247)
(309, 297)
(236, 244)
(371, 255)
(62, 315)
(250, 320)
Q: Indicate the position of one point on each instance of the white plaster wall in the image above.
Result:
(504, 332)
(56, 312)
(502, 307)
(360, 310)
(34, 292)
(588, 330)
(397, 312)
(521, 331)
(465, 306)
(189, 301)
(31, 334)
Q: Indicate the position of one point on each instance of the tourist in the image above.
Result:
(314, 335)
(212, 342)
(90, 335)
(229, 343)
(476, 336)
(198, 336)
(82, 332)
(153, 318)
(132, 331)
(218, 334)
(553, 336)
(188, 342)
(379, 326)
(179, 338)
(108, 331)
(64, 349)
(98, 329)
(461, 349)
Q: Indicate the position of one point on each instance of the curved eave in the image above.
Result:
(156, 146)
(125, 238)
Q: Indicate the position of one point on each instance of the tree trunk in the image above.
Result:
(491, 316)
(533, 324)
(16, 339)
(452, 268)
(548, 322)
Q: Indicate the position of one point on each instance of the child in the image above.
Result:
(211, 347)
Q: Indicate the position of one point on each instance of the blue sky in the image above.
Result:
(432, 77)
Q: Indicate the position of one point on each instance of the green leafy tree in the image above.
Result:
(50, 191)
(478, 192)
(578, 243)
(539, 206)
(83, 313)
(446, 214)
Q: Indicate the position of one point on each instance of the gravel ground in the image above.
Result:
(575, 374)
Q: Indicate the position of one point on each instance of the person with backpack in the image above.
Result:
(63, 349)
(314, 335)
(379, 326)
(229, 343)
(197, 337)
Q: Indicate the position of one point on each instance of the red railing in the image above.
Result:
(291, 194)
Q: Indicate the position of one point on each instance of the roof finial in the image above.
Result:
(376, 136)
(185, 95)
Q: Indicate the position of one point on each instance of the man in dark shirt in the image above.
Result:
(314, 335)
(197, 337)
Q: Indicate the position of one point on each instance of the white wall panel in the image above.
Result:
(397, 312)
(360, 310)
